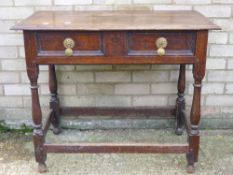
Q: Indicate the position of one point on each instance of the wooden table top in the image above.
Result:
(116, 20)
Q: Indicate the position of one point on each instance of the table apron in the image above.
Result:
(116, 60)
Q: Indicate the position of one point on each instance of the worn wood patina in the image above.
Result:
(119, 37)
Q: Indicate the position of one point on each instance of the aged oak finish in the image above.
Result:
(116, 20)
(117, 148)
(119, 37)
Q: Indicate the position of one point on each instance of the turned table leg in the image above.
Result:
(195, 114)
(194, 138)
(180, 101)
(38, 133)
(33, 72)
(54, 101)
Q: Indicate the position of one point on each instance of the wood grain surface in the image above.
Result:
(116, 20)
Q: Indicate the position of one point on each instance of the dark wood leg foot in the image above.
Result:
(180, 102)
(179, 131)
(38, 140)
(191, 155)
(54, 101)
(57, 131)
(42, 168)
(190, 169)
(190, 159)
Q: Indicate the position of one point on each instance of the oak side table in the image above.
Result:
(120, 37)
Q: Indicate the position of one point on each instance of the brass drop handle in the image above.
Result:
(161, 44)
(69, 45)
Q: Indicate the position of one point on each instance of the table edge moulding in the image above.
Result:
(116, 37)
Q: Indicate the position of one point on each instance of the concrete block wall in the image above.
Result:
(118, 85)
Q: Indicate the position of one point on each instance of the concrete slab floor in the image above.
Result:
(216, 155)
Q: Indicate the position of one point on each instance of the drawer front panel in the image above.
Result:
(115, 47)
(178, 43)
(85, 43)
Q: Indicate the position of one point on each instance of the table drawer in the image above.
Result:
(115, 43)
(84, 43)
(115, 47)
(177, 43)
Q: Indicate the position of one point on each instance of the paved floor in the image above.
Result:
(216, 155)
